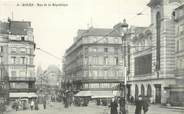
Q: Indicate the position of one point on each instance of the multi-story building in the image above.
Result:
(20, 47)
(176, 91)
(141, 69)
(153, 53)
(94, 62)
(3, 67)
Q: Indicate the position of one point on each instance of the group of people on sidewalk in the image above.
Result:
(142, 105)
(67, 99)
(24, 104)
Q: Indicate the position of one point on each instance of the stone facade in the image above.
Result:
(94, 61)
(162, 50)
(19, 56)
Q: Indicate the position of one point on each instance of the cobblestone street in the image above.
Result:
(58, 108)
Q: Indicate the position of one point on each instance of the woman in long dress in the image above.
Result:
(114, 106)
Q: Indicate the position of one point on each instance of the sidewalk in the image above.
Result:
(172, 107)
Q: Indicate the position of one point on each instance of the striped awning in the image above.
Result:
(105, 94)
(83, 94)
(22, 95)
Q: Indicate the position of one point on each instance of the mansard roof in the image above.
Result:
(15, 27)
(19, 27)
(98, 32)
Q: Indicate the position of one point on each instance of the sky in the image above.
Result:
(55, 26)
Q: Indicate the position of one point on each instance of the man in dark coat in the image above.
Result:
(145, 104)
(139, 105)
(36, 105)
(122, 105)
(114, 106)
(44, 103)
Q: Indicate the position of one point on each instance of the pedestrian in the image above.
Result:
(113, 107)
(32, 104)
(36, 105)
(122, 105)
(132, 100)
(16, 105)
(24, 105)
(145, 104)
(44, 103)
(139, 105)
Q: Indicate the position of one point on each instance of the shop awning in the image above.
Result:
(83, 94)
(105, 94)
(22, 95)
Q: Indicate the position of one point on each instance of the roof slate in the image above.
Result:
(19, 27)
(15, 27)
(100, 32)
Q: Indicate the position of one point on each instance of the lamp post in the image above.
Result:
(124, 30)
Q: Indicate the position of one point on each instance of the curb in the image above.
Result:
(170, 107)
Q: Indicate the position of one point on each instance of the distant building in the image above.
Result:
(49, 81)
(18, 60)
(94, 62)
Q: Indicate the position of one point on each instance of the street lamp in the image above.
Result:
(124, 33)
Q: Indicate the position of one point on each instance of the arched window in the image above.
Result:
(158, 29)
(149, 91)
(142, 90)
(136, 92)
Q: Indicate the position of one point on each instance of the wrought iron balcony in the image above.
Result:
(24, 79)
(23, 90)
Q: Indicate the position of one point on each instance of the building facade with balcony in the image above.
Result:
(3, 68)
(94, 62)
(20, 55)
(153, 59)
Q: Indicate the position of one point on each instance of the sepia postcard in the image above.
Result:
(92, 56)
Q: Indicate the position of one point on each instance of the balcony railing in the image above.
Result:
(100, 79)
(23, 90)
(22, 79)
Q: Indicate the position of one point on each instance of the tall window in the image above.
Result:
(116, 60)
(105, 50)
(1, 59)
(22, 38)
(13, 60)
(23, 60)
(158, 28)
(1, 48)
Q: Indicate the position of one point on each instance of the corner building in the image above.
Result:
(94, 62)
(19, 55)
